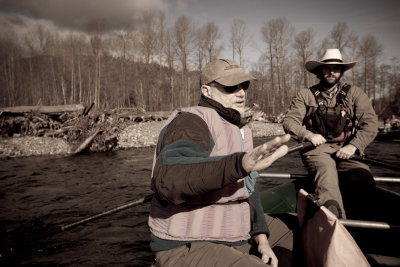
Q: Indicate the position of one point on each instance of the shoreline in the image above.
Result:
(138, 135)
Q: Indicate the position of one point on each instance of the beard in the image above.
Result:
(331, 80)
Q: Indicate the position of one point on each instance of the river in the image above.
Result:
(39, 194)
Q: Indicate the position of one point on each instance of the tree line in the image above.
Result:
(157, 65)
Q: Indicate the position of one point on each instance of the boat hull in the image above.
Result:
(282, 200)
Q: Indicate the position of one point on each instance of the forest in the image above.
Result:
(156, 66)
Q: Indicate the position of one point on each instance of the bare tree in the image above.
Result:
(10, 52)
(304, 48)
(383, 84)
(161, 29)
(239, 38)
(394, 77)
(341, 37)
(170, 58)
(352, 53)
(268, 37)
(369, 51)
(36, 40)
(148, 40)
(212, 35)
(184, 36)
(200, 51)
(277, 34)
(96, 29)
(123, 44)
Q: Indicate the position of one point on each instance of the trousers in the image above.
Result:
(321, 164)
(207, 254)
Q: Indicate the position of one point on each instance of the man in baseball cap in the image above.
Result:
(207, 210)
(225, 81)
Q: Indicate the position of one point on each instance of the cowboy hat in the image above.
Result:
(331, 56)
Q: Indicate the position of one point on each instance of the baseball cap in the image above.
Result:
(225, 72)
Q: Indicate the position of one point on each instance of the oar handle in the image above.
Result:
(299, 146)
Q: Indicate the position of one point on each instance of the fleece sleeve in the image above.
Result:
(184, 169)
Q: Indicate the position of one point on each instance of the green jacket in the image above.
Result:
(359, 106)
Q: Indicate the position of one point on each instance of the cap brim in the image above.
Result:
(231, 80)
(312, 66)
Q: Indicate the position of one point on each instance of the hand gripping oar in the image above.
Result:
(364, 158)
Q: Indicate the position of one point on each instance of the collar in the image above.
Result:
(229, 114)
(331, 92)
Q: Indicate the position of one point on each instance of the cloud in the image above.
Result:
(76, 14)
(16, 25)
(182, 5)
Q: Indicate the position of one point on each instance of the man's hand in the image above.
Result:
(267, 255)
(315, 139)
(346, 152)
(264, 155)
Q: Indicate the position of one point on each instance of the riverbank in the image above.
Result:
(136, 135)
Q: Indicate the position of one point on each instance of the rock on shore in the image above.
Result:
(138, 135)
(33, 146)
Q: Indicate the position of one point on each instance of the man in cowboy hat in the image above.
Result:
(339, 121)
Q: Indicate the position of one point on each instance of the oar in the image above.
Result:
(299, 146)
(91, 218)
(147, 199)
(302, 176)
(376, 162)
(368, 224)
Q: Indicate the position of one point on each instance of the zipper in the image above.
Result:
(242, 138)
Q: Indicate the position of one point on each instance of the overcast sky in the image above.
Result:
(379, 18)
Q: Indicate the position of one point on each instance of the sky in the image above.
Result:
(380, 18)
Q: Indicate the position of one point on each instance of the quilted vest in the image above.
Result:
(229, 218)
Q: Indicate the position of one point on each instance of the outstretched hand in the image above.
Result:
(264, 155)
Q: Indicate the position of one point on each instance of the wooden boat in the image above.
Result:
(393, 135)
(376, 230)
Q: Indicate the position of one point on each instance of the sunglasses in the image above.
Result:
(232, 89)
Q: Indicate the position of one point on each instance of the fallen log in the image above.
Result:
(52, 133)
(87, 142)
(43, 109)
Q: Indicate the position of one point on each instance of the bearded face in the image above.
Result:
(331, 74)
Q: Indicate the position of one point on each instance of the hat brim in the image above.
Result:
(312, 66)
(234, 79)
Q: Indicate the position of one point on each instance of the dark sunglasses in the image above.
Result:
(232, 89)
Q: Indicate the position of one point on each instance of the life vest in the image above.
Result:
(333, 123)
(226, 220)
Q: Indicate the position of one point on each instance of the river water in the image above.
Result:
(39, 194)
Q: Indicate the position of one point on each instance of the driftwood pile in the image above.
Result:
(254, 113)
(81, 129)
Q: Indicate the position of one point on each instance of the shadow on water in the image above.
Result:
(39, 194)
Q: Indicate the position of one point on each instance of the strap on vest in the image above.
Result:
(323, 109)
(339, 97)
